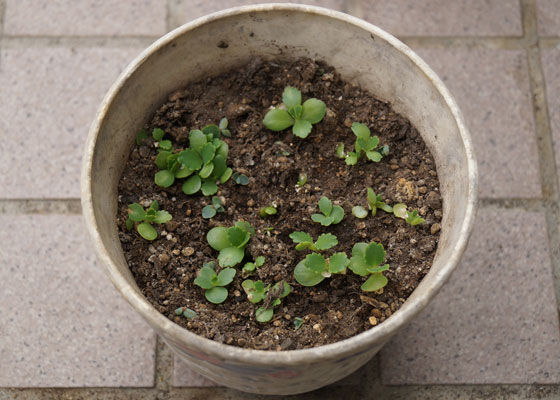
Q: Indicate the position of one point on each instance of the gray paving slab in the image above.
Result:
(551, 69)
(85, 17)
(495, 322)
(493, 92)
(548, 17)
(63, 323)
(53, 95)
(444, 17)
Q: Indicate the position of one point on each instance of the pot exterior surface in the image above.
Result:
(361, 53)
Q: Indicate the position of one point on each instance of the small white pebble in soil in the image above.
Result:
(174, 199)
(169, 236)
(317, 327)
(277, 323)
(372, 321)
(176, 252)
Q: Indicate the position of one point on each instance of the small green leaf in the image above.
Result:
(216, 202)
(372, 143)
(249, 267)
(374, 156)
(216, 295)
(321, 219)
(316, 262)
(183, 172)
(164, 178)
(136, 212)
(154, 206)
(360, 145)
(385, 207)
(218, 238)
(358, 265)
(306, 277)
(231, 256)
(359, 249)
(266, 211)
(206, 170)
(338, 263)
(240, 179)
(141, 135)
(378, 269)
(157, 134)
(189, 314)
(197, 139)
(264, 315)
(259, 261)
(179, 311)
(162, 217)
(302, 179)
(337, 214)
(223, 150)
(298, 322)
(165, 145)
(313, 110)
(300, 237)
(374, 283)
(161, 159)
(302, 128)
(374, 254)
(359, 212)
(226, 175)
(291, 97)
(226, 276)
(385, 150)
(206, 277)
(223, 123)
(209, 188)
(325, 205)
(236, 236)
(351, 158)
(277, 120)
(207, 152)
(400, 211)
(190, 159)
(326, 241)
(129, 223)
(147, 231)
(245, 226)
(208, 212)
(340, 150)
(192, 185)
(213, 129)
(371, 197)
(219, 167)
(360, 130)
(305, 245)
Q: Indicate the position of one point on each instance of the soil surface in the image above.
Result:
(336, 308)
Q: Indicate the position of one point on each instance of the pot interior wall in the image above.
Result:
(221, 44)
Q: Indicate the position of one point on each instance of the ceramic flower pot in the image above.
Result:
(361, 53)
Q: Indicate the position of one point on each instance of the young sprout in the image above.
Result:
(240, 179)
(315, 268)
(411, 218)
(366, 260)
(359, 212)
(214, 283)
(211, 209)
(136, 213)
(223, 127)
(298, 322)
(331, 214)
(300, 117)
(166, 161)
(365, 144)
(250, 267)
(268, 211)
(185, 312)
(374, 202)
(256, 292)
(305, 241)
(302, 179)
(230, 242)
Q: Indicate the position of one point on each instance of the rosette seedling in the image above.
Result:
(366, 260)
(375, 202)
(211, 209)
(214, 284)
(250, 267)
(256, 292)
(314, 268)
(365, 144)
(331, 214)
(185, 312)
(268, 211)
(411, 217)
(230, 242)
(153, 214)
(301, 117)
(304, 241)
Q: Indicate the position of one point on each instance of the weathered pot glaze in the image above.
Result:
(362, 53)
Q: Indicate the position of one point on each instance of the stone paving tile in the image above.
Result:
(183, 376)
(182, 11)
(63, 323)
(551, 69)
(444, 17)
(53, 95)
(492, 90)
(495, 321)
(85, 17)
(548, 17)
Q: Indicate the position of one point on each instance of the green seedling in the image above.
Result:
(366, 260)
(256, 292)
(153, 214)
(314, 268)
(185, 312)
(330, 214)
(298, 322)
(268, 211)
(250, 267)
(302, 179)
(374, 202)
(412, 218)
(305, 241)
(300, 117)
(223, 126)
(359, 212)
(230, 242)
(211, 209)
(166, 161)
(240, 179)
(365, 145)
(214, 284)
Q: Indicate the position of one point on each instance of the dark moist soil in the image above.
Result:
(335, 309)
